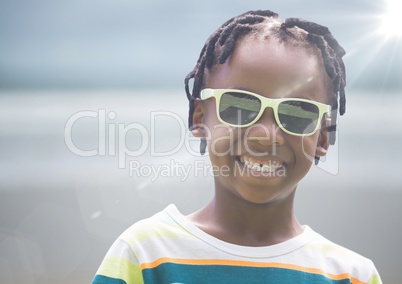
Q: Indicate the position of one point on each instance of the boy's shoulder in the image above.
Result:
(158, 226)
(331, 249)
(330, 252)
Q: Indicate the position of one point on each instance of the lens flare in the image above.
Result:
(392, 19)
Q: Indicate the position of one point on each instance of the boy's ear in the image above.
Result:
(198, 129)
(323, 139)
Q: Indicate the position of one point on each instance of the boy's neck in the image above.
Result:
(233, 220)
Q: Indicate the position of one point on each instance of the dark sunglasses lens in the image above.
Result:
(239, 108)
(298, 117)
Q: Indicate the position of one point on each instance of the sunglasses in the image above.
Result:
(294, 116)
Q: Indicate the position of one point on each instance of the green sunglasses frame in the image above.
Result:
(265, 102)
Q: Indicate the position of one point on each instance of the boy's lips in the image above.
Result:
(261, 165)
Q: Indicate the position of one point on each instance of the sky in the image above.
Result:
(122, 44)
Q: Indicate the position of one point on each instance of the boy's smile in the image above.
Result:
(256, 165)
(266, 163)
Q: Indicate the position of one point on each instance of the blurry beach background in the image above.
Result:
(84, 81)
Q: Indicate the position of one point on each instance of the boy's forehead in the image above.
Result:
(271, 51)
(272, 67)
(258, 59)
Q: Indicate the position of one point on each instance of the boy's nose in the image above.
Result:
(266, 131)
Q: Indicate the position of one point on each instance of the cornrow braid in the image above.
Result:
(221, 44)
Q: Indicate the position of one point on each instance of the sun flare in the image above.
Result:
(392, 20)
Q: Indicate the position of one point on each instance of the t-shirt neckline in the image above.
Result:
(286, 247)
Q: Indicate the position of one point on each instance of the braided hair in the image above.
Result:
(221, 44)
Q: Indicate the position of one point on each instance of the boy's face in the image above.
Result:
(273, 70)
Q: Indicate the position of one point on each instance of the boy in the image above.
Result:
(264, 100)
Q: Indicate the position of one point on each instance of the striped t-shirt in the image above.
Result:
(168, 248)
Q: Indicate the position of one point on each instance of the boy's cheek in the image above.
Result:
(308, 147)
(221, 142)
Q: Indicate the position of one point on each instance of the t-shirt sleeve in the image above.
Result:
(375, 278)
(120, 266)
